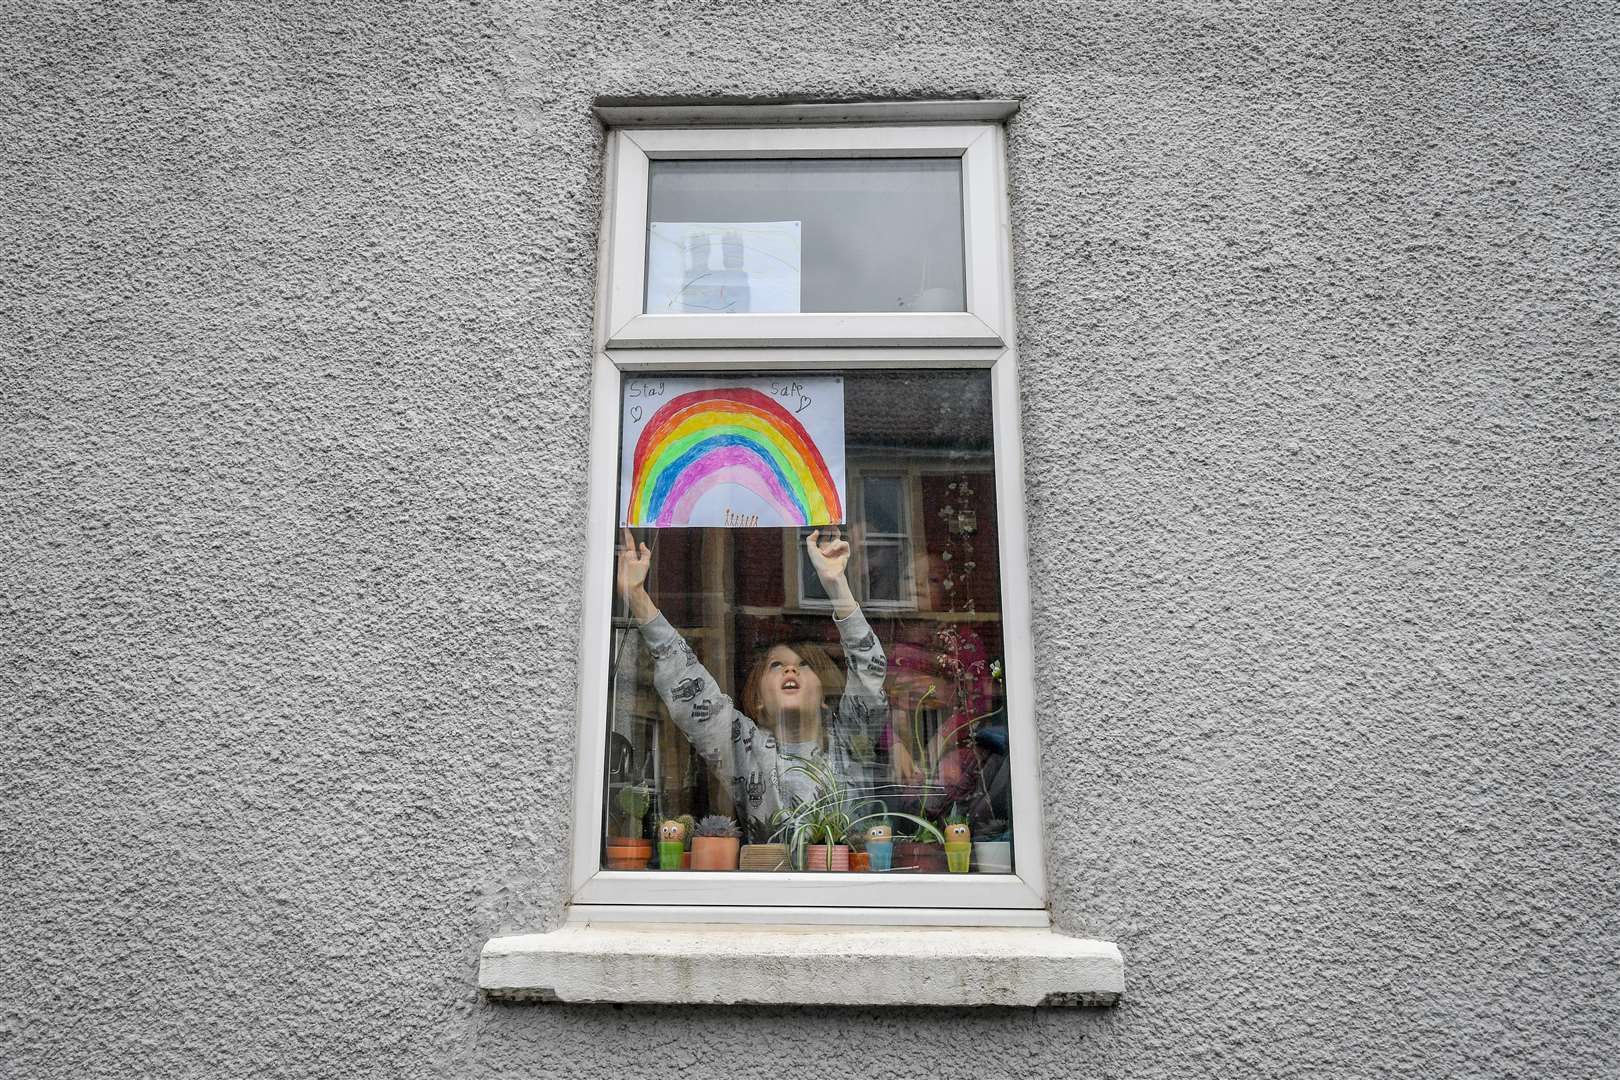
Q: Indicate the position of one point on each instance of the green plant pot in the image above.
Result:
(957, 857)
(669, 854)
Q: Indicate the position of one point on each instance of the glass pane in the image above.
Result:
(810, 585)
(747, 731)
(881, 502)
(880, 234)
(883, 569)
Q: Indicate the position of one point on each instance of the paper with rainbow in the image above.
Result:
(723, 452)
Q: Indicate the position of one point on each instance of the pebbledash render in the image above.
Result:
(1259, 365)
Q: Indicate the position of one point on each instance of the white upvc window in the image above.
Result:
(865, 265)
(980, 315)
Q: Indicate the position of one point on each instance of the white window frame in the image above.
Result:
(633, 153)
(628, 341)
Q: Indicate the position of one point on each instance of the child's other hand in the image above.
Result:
(829, 556)
(905, 766)
(633, 564)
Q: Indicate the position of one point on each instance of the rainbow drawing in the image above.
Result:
(732, 435)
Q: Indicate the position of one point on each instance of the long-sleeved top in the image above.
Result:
(751, 759)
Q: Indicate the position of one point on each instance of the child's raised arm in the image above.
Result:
(632, 578)
(724, 737)
(830, 557)
(861, 711)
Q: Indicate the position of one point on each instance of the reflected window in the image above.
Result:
(882, 560)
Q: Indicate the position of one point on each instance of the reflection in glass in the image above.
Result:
(818, 235)
(834, 694)
(883, 571)
(884, 503)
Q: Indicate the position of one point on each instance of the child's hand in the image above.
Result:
(905, 766)
(633, 566)
(830, 557)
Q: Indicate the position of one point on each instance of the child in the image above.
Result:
(786, 715)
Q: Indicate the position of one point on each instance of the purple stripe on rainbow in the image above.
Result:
(733, 465)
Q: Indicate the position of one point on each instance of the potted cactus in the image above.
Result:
(880, 846)
(627, 846)
(958, 843)
(671, 844)
(689, 824)
(761, 853)
(715, 842)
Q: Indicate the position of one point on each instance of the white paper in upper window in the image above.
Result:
(732, 452)
(711, 268)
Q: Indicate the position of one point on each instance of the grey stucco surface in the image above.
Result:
(1317, 325)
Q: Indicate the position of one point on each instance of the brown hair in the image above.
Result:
(813, 656)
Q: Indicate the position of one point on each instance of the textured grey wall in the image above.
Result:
(296, 367)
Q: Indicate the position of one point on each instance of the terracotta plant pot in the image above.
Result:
(767, 857)
(818, 857)
(858, 863)
(628, 853)
(927, 858)
(715, 852)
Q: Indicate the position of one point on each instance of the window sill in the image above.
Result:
(733, 964)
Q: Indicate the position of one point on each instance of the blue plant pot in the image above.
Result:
(880, 854)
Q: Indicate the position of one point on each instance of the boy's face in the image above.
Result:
(789, 686)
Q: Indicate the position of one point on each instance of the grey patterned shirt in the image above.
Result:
(755, 767)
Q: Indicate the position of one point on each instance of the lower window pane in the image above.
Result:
(773, 707)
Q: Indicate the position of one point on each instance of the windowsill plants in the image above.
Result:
(814, 831)
(627, 846)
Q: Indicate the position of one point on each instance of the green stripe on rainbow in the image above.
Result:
(732, 435)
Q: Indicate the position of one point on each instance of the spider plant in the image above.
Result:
(834, 812)
(928, 789)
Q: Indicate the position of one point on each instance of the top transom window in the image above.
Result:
(871, 236)
(818, 235)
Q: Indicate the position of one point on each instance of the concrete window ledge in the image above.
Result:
(721, 964)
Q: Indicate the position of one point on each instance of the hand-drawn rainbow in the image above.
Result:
(728, 435)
